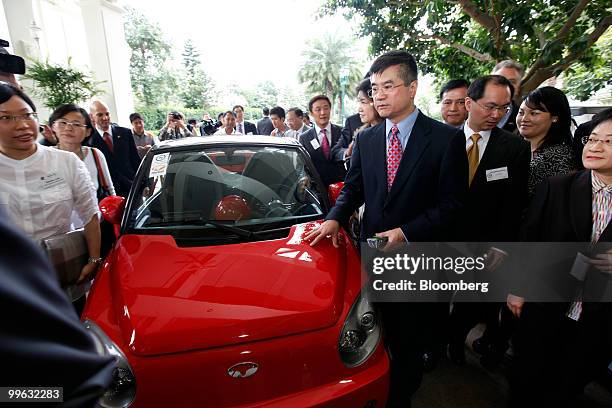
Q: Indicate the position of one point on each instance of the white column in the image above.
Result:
(109, 55)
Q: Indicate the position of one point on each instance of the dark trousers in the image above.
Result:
(467, 315)
(404, 325)
(555, 357)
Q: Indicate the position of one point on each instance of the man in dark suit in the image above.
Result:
(561, 347)
(117, 145)
(513, 71)
(498, 168)
(264, 125)
(242, 126)
(411, 173)
(42, 341)
(320, 139)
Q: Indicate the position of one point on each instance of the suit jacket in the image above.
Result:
(351, 124)
(429, 188)
(331, 171)
(265, 126)
(494, 209)
(249, 128)
(123, 161)
(561, 211)
(41, 334)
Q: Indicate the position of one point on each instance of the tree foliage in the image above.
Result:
(152, 82)
(197, 89)
(323, 59)
(593, 72)
(465, 38)
(57, 84)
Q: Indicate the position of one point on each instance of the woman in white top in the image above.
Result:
(71, 125)
(40, 186)
(229, 124)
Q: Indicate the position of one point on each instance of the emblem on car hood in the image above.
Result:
(242, 370)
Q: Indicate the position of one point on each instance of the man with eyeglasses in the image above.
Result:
(452, 101)
(513, 71)
(498, 163)
(411, 173)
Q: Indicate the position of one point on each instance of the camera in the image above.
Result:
(176, 115)
(10, 64)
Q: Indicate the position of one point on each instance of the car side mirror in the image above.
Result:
(112, 210)
(333, 191)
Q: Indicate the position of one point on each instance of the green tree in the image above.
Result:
(197, 89)
(323, 59)
(465, 38)
(57, 84)
(593, 73)
(152, 82)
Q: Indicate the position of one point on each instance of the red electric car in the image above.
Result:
(211, 298)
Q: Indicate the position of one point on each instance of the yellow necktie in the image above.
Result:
(473, 155)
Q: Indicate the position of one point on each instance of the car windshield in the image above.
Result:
(220, 192)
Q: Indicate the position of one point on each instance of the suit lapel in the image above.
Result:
(581, 202)
(377, 152)
(415, 147)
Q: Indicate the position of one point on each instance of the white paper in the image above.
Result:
(315, 144)
(159, 165)
(497, 174)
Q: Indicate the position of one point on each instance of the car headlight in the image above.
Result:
(360, 333)
(122, 389)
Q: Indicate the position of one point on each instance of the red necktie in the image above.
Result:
(394, 156)
(325, 144)
(108, 140)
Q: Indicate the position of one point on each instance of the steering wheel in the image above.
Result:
(276, 208)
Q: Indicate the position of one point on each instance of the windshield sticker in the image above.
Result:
(159, 165)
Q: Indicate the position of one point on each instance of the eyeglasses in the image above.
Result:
(385, 89)
(62, 124)
(490, 108)
(26, 116)
(588, 140)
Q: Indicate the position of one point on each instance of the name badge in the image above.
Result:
(315, 144)
(51, 181)
(497, 174)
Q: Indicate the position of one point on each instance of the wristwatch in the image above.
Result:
(93, 260)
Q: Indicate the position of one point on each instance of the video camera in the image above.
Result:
(10, 64)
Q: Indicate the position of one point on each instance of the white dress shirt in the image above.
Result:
(328, 132)
(40, 192)
(222, 131)
(482, 142)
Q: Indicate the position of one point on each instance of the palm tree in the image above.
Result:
(323, 60)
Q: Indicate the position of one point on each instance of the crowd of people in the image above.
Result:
(413, 179)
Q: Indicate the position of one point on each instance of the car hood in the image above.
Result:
(169, 299)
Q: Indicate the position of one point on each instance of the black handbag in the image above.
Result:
(103, 189)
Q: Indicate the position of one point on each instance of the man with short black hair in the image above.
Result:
(143, 139)
(277, 115)
(264, 125)
(513, 71)
(498, 172)
(320, 139)
(452, 102)
(242, 126)
(411, 173)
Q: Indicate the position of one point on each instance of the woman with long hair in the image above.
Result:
(544, 119)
